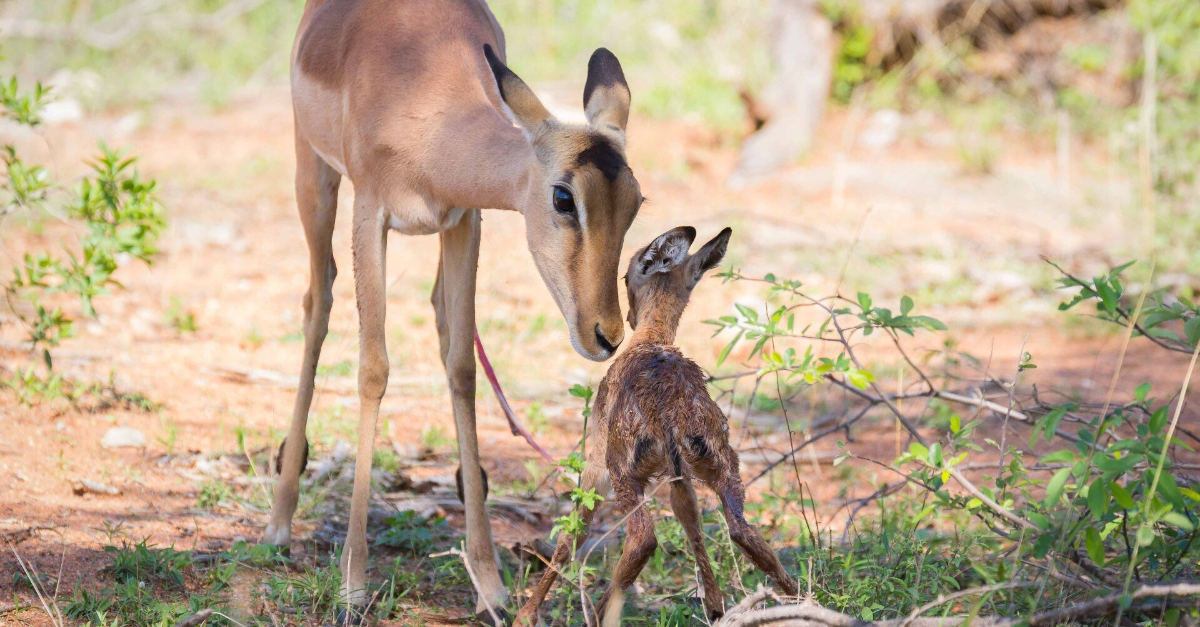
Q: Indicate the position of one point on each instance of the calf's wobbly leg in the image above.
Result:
(683, 503)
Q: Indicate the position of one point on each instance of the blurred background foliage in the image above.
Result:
(692, 56)
(704, 61)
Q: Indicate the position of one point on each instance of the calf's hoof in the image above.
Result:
(458, 484)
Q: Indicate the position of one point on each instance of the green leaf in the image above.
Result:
(1108, 297)
(1191, 330)
(906, 305)
(1156, 318)
(581, 391)
(1052, 421)
(729, 347)
(1097, 498)
(1054, 487)
(1145, 535)
(1063, 456)
(1039, 521)
(1179, 521)
(1120, 495)
(935, 454)
(1095, 546)
(1141, 392)
(933, 324)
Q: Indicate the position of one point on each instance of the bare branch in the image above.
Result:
(810, 614)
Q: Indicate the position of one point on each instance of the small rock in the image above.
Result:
(123, 437)
(61, 111)
(87, 486)
(883, 129)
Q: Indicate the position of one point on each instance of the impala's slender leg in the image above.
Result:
(370, 248)
(456, 315)
(683, 503)
(316, 196)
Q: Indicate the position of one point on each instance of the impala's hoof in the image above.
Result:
(352, 616)
(458, 484)
(484, 617)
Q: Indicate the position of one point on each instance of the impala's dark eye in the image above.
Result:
(564, 201)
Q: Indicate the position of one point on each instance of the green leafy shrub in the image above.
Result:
(118, 217)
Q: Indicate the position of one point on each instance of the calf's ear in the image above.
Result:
(709, 256)
(666, 251)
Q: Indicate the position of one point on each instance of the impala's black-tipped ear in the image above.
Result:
(515, 93)
(666, 251)
(709, 256)
(606, 94)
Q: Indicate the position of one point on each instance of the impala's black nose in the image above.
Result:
(604, 343)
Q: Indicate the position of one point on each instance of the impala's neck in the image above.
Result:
(658, 326)
(485, 161)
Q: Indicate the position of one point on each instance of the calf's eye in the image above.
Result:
(564, 201)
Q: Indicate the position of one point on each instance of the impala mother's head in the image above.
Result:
(586, 197)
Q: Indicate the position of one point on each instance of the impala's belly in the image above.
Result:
(417, 217)
(319, 113)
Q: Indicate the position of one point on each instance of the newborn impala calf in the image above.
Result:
(655, 420)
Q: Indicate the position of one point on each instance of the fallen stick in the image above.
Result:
(748, 614)
(193, 620)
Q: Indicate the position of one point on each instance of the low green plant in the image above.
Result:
(433, 438)
(342, 368)
(412, 533)
(213, 493)
(179, 317)
(572, 523)
(169, 436)
(536, 418)
(316, 591)
(145, 562)
(385, 459)
(401, 578)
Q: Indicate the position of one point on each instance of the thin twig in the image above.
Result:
(474, 581)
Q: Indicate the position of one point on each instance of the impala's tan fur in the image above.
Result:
(655, 421)
(411, 100)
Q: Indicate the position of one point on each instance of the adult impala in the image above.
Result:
(411, 100)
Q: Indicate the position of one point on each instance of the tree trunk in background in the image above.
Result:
(802, 46)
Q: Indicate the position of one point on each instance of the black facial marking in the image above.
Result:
(499, 70)
(603, 71)
(700, 447)
(603, 155)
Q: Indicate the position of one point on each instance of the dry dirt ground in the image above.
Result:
(966, 247)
